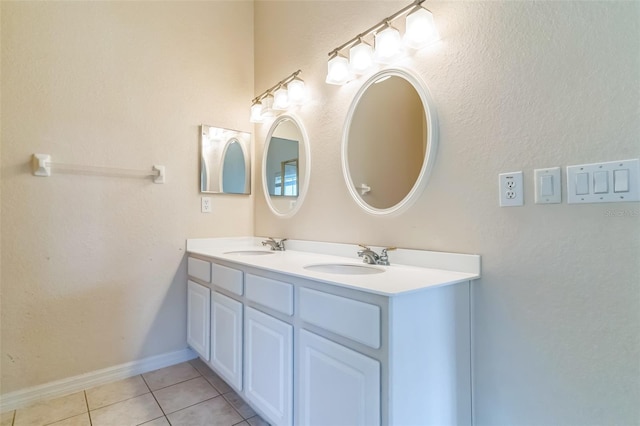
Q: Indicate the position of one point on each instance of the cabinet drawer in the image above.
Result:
(200, 269)
(227, 278)
(270, 293)
(350, 318)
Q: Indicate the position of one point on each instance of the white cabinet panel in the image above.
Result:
(228, 278)
(200, 269)
(337, 386)
(268, 368)
(350, 318)
(198, 330)
(226, 338)
(270, 293)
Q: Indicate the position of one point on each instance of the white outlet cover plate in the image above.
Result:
(205, 206)
(552, 177)
(511, 189)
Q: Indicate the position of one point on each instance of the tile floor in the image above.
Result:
(187, 394)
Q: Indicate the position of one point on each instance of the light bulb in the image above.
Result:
(297, 92)
(420, 29)
(361, 57)
(388, 45)
(338, 70)
(256, 113)
(281, 99)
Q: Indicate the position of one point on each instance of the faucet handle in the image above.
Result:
(384, 250)
(364, 246)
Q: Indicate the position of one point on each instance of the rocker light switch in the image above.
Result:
(548, 188)
(610, 182)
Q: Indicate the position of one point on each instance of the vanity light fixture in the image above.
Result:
(420, 31)
(287, 92)
(360, 57)
(338, 70)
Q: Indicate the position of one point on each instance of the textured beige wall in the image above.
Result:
(518, 85)
(92, 266)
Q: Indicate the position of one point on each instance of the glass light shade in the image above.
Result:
(256, 113)
(388, 45)
(297, 92)
(338, 70)
(361, 58)
(267, 107)
(281, 99)
(420, 29)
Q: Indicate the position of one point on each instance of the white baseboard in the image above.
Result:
(21, 398)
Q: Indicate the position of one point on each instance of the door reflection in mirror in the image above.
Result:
(282, 167)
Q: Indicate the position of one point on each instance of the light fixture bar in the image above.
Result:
(385, 22)
(277, 85)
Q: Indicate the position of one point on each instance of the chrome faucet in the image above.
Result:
(275, 245)
(371, 257)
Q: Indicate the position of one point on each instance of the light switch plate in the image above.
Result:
(547, 185)
(610, 182)
(511, 189)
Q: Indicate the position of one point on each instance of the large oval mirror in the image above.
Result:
(225, 163)
(285, 166)
(389, 142)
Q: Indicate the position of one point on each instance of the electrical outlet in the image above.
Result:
(511, 189)
(205, 206)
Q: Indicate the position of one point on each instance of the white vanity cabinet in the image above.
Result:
(306, 352)
(269, 366)
(337, 385)
(226, 338)
(198, 305)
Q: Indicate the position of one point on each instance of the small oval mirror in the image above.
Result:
(225, 163)
(389, 142)
(285, 166)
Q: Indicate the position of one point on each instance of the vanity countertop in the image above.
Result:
(410, 270)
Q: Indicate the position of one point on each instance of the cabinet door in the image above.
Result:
(198, 331)
(226, 338)
(268, 354)
(337, 386)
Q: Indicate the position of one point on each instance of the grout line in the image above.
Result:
(154, 397)
(86, 401)
(13, 419)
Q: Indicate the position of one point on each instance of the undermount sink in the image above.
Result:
(344, 268)
(249, 252)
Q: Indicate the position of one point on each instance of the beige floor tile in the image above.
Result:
(184, 394)
(170, 375)
(81, 420)
(111, 393)
(132, 412)
(6, 419)
(200, 365)
(162, 421)
(217, 382)
(213, 412)
(257, 421)
(242, 424)
(52, 410)
(238, 403)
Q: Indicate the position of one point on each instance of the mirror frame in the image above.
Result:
(431, 119)
(302, 190)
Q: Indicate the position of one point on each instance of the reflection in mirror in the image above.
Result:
(225, 164)
(389, 142)
(285, 166)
